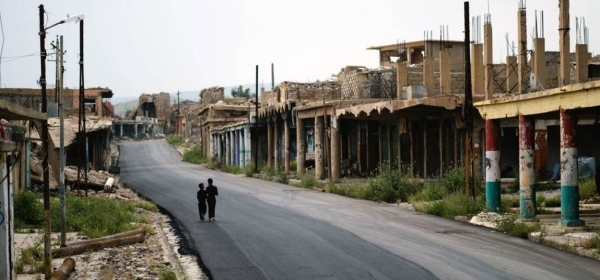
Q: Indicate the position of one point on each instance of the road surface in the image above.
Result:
(267, 230)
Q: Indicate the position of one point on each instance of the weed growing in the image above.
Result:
(174, 140)
(587, 189)
(194, 155)
(95, 217)
(31, 259)
(517, 228)
(456, 204)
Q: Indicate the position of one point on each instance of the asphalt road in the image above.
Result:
(266, 230)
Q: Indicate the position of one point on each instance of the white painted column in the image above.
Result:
(248, 144)
(6, 225)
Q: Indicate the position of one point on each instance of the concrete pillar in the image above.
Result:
(428, 80)
(477, 78)
(511, 74)
(300, 146)
(286, 143)
(276, 143)
(488, 60)
(564, 73)
(523, 81)
(541, 148)
(335, 150)
(445, 82)
(401, 77)
(569, 178)
(231, 148)
(135, 131)
(269, 143)
(7, 254)
(492, 165)
(247, 145)
(121, 131)
(319, 154)
(526, 168)
(539, 63)
(582, 57)
(236, 147)
(242, 148)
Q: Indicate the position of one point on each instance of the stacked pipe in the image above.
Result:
(121, 239)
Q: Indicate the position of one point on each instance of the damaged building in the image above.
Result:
(151, 117)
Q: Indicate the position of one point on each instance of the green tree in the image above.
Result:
(240, 92)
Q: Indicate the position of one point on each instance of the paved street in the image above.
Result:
(267, 230)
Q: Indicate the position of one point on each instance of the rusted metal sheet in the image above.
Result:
(577, 96)
(64, 270)
(96, 245)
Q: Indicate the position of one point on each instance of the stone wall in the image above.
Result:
(161, 103)
(354, 83)
(212, 95)
(457, 81)
(301, 92)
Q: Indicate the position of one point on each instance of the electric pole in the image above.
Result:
(61, 183)
(255, 140)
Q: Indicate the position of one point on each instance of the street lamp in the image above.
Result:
(44, 136)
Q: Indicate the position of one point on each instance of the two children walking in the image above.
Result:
(204, 196)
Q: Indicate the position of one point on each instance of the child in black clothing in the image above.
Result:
(211, 192)
(201, 195)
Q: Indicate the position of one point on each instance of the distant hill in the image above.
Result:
(122, 104)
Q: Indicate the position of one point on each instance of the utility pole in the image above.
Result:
(83, 159)
(468, 111)
(255, 138)
(61, 182)
(46, 174)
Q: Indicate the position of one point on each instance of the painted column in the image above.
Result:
(526, 168)
(231, 148)
(121, 131)
(335, 149)
(219, 149)
(276, 143)
(242, 148)
(319, 160)
(301, 146)
(492, 164)
(286, 143)
(135, 133)
(269, 143)
(227, 149)
(247, 145)
(569, 179)
(6, 225)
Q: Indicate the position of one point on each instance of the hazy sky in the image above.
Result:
(135, 46)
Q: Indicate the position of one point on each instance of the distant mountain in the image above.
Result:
(122, 104)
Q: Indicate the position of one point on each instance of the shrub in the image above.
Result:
(587, 189)
(249, 170)
(28, 209)
(509, 202)
(283, 178)
(194, 155)
(308, 181)
(232, 169)
(514, 227)
(454, 179)
(456, 204)
(293, 165)
(390, 186)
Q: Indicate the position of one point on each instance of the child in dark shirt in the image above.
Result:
(201, 195)
(211, 193)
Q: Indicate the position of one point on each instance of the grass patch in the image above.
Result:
(249, 170)
(456, 204)
(166, 274)
(232, 169)
(543, 201)
(146, 205)
(194, 155)
(587, 189)
(514, 227)
(96, 217)
(174, 140)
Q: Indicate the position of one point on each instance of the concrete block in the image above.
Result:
(413, 92)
